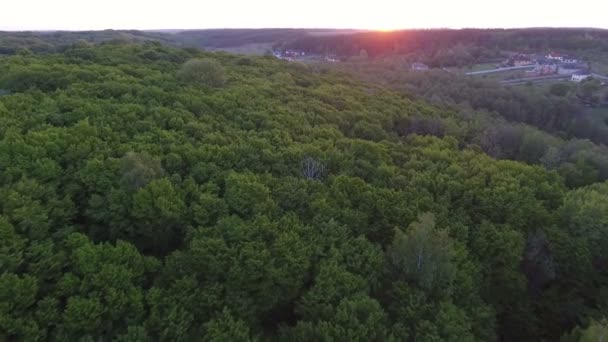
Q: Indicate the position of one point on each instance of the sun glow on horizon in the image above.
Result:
(385, 29)
(379, 15)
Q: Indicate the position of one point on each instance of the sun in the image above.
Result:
(385, 28)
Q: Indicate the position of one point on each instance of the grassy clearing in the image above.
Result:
(505, 75)
(246, 49)
(473, 68)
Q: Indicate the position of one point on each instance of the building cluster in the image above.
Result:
(289, 54)
(550, 64)
(299, 55)
(332, 58)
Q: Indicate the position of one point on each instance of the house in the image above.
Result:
(555, 56)
(289, 55)
(521, 60)
(580, 76)
(517, 60)
(543, 68)
(570, 59)
(331, 58)
(418, 66)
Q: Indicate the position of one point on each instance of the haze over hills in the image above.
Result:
(337, 39)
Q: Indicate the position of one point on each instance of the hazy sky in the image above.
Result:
(366, 14)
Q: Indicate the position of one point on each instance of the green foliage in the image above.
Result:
(583, 215)
(560, 89)
(206, 71)
(246, 196)
(359, 319)
(597, 331)
(138, 169)
(11, 247)
(226, 328)
(423, 255)
(332, 284)
(158, 210)
(136, 206)
(534, 125)
(17, 297)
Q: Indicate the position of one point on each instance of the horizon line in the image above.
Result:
(307, 28)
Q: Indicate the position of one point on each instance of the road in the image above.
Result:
(546, 78)
(483, 72)
(600, 77)
(534, 79)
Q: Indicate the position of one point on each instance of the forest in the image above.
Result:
(155, 193)
(551, 125)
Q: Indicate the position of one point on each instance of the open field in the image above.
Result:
(544, 85)
(539, 79)
(474, 68)
(600, 68)
(246, 49)
(504, 75)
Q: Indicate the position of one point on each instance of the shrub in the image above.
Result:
(206, 71)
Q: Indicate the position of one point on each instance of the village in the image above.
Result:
(298, 55)
(532, 66)
(553, 63)
(515, 68)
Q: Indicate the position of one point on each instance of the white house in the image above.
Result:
(418, 66)
(570, 59)
(580, 76)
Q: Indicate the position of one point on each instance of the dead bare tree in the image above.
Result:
(312, 168)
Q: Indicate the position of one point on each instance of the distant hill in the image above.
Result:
(481, 42)
(55, 41)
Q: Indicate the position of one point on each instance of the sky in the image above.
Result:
(358, 14)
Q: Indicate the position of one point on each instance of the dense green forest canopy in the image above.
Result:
(153, 193)
(553, 126)
(58, 41)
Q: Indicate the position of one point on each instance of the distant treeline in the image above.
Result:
(441, 47)
(236, 37)
(58, 41)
